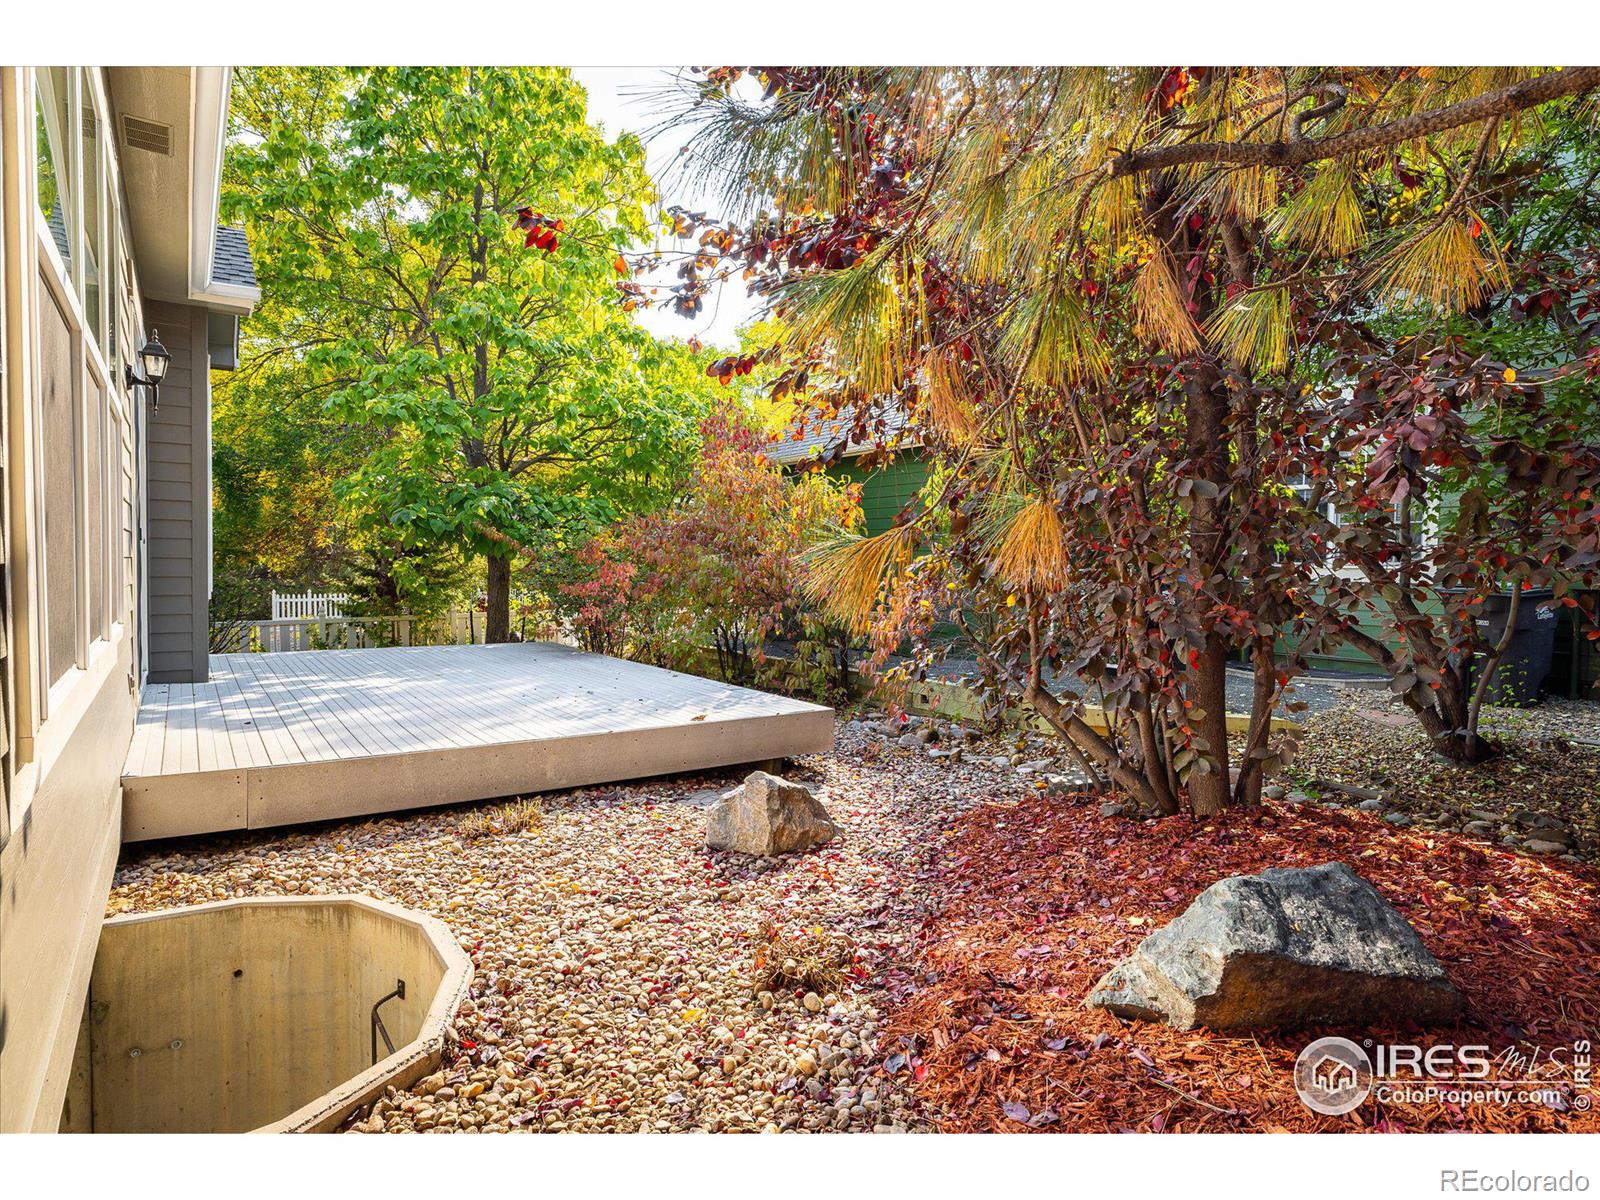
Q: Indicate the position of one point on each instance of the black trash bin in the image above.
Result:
(1521, 671)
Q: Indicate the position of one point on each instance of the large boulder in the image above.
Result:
(1279, 950)
(768, 815)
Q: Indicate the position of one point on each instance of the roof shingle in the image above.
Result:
(231, 262)
(825, 438)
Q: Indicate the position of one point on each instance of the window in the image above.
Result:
(116, 286)
(95, 260)
(1301, 486)
(126, 494)
(59, 444)
(85, 302)
(53, 103)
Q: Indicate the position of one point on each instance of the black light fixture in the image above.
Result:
(154, 360)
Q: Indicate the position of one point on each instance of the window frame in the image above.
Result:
(53, 289)
(94, 377)
(92, 104)
(97, 433)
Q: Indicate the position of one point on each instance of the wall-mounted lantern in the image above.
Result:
(154, 360)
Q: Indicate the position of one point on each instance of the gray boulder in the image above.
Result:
(1283, 949)
(768, 815)
(1538, 846)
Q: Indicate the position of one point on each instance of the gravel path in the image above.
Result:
(1318, 695)
(1542, 795)
(614, 954)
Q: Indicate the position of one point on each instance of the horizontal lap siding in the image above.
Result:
(177, 549)
(885, 492)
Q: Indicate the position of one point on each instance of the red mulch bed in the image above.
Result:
(1034, 901)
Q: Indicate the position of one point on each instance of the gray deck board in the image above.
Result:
(277, 738)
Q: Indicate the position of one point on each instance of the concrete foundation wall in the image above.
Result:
(230, 1017)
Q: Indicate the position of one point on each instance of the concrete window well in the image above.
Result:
(271, 1014)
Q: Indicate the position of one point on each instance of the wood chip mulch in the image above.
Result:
(1034, 900)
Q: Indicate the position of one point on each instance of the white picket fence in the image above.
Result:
(308, 604)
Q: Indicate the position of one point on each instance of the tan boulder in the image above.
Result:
(768, 815)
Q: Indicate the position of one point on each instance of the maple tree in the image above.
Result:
(445, 240)
(612, 602)
(728, 553)
(1199, 352)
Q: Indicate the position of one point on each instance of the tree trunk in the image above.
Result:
(497, 621)
(1247, 789)
(1208, 793)
(1459, 751)
(1073, 727)
(1486, 669)
(1155, 755)
(1450, 725)
(1206, 418)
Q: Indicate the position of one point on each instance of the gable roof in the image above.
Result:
(230, 260)
(829, 437)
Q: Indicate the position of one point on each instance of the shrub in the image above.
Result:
(719, 569)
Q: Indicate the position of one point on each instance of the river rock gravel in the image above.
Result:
(615, 954)
(1541, 796)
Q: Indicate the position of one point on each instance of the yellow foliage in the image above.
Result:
(859, 312)
(1113, 208)
(948, 402)
(1051, 338)
(1031, 551)
(1325, 217)
(1445, 268)
(1254, 330)
(1245, 192)
(846, 576)
(1160, 314)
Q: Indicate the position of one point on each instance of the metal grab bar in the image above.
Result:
(399, 993)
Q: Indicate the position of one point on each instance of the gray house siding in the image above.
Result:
(178, 501)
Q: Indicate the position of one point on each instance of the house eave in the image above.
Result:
(207, 145)
(227, 297)
(853, 450)
(175, 261)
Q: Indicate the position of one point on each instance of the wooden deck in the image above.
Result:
(275, 739)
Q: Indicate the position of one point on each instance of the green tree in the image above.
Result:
(456, 233)
(277, 452)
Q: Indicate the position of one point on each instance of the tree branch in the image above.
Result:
(1501, 103)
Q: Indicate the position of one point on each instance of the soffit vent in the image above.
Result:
(141, 134)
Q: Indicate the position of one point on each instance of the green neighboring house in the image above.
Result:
(831, 445)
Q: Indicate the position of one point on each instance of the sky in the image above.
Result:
(615, 105)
